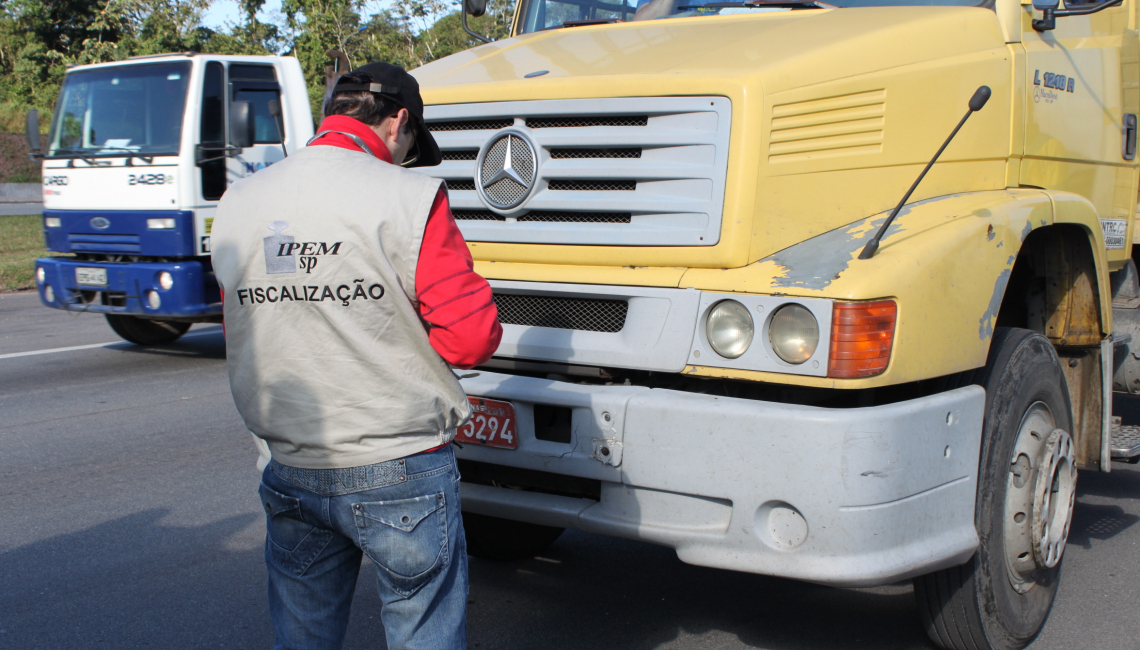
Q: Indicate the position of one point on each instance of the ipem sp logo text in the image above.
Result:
(283, 253)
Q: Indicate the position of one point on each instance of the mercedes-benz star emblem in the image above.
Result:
(102, 223)
(506, 170)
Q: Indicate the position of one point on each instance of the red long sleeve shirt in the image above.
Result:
(454, 300)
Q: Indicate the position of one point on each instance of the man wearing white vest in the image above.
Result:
(349, 294)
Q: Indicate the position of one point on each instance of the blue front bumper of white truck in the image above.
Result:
(133, 289)
(180, 286)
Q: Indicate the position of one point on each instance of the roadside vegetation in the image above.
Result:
(14, 164)
(39, 39)
(21, 242)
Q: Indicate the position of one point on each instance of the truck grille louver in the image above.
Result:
(585, 314)
(460, 154)
(547, 216)
(625, 171)
(600, 120)
(470, 125)
(561, 154)
(592, 186)
(819, 129)
(457, 184)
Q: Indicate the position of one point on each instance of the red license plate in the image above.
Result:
(492, 424)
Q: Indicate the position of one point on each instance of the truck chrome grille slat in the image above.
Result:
(584, 314)
(470, 125)
(574, 153)
(573, 185)
(547, 216)
(475, 215)
(460, 154)
(577, 122)
(581, 168)
(577, 217)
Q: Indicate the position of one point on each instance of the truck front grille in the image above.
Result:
(104, 243)
(469, 125)
(587, 314)
(460, 154)
(593, 186)
(662, 161)
(577, 122)
(571, 153)
(547, 217)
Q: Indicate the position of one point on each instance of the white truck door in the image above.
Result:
(258, 85)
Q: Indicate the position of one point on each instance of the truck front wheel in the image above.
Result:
(999, 600)
(146, 332)
(494, 538)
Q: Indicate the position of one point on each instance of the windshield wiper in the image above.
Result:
(762, 4)
(131, 153)
(91, 156)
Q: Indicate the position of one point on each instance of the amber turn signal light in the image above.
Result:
(862, 334)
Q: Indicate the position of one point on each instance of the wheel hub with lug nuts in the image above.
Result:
(1039, 497)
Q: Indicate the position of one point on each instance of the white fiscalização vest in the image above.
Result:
(329, 361)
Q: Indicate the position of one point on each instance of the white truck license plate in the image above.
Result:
(91, 276)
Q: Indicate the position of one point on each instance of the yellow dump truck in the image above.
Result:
(675, 203)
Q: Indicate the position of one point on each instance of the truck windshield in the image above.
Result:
(551, 14)
(124, 110)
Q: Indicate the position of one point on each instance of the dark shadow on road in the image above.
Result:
(135, 581)
(589, 592)
(207, 346)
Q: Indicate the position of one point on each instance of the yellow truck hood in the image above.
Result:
(777, 68)
(812, 45)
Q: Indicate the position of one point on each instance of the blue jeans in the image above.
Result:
(404, 514)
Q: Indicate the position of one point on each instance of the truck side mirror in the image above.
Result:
(32, 128)
(475, 8)
(241, 125)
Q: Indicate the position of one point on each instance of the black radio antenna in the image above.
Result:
(981, 96)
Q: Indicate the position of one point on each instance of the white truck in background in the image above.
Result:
(137, 157)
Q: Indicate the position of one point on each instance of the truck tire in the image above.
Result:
(494, 538)
(146, 332)
(1000, 599)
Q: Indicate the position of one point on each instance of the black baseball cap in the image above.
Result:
(393, 83)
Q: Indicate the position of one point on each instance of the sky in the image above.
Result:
(223, 11)
(227, 11)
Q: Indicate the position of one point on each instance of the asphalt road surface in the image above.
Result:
(128, 518)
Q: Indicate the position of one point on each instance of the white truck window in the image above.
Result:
(136, 109)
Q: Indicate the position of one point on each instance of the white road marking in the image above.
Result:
(111, 344)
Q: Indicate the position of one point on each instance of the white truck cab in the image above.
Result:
(138, 155)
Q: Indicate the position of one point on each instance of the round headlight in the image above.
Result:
(794, 333)
(49, 294)
(40, 275)
(729, 329)
(153, 299)
(165, 280)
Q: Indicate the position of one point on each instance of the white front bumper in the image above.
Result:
(852, 497)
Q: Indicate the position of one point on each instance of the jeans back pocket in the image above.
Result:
(290, 541)
(405, 538)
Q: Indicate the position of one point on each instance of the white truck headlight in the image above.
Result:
(153, 299)
(793, 333)
(40, 275)
(729, 329)
(160, 224)
(165, 280)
